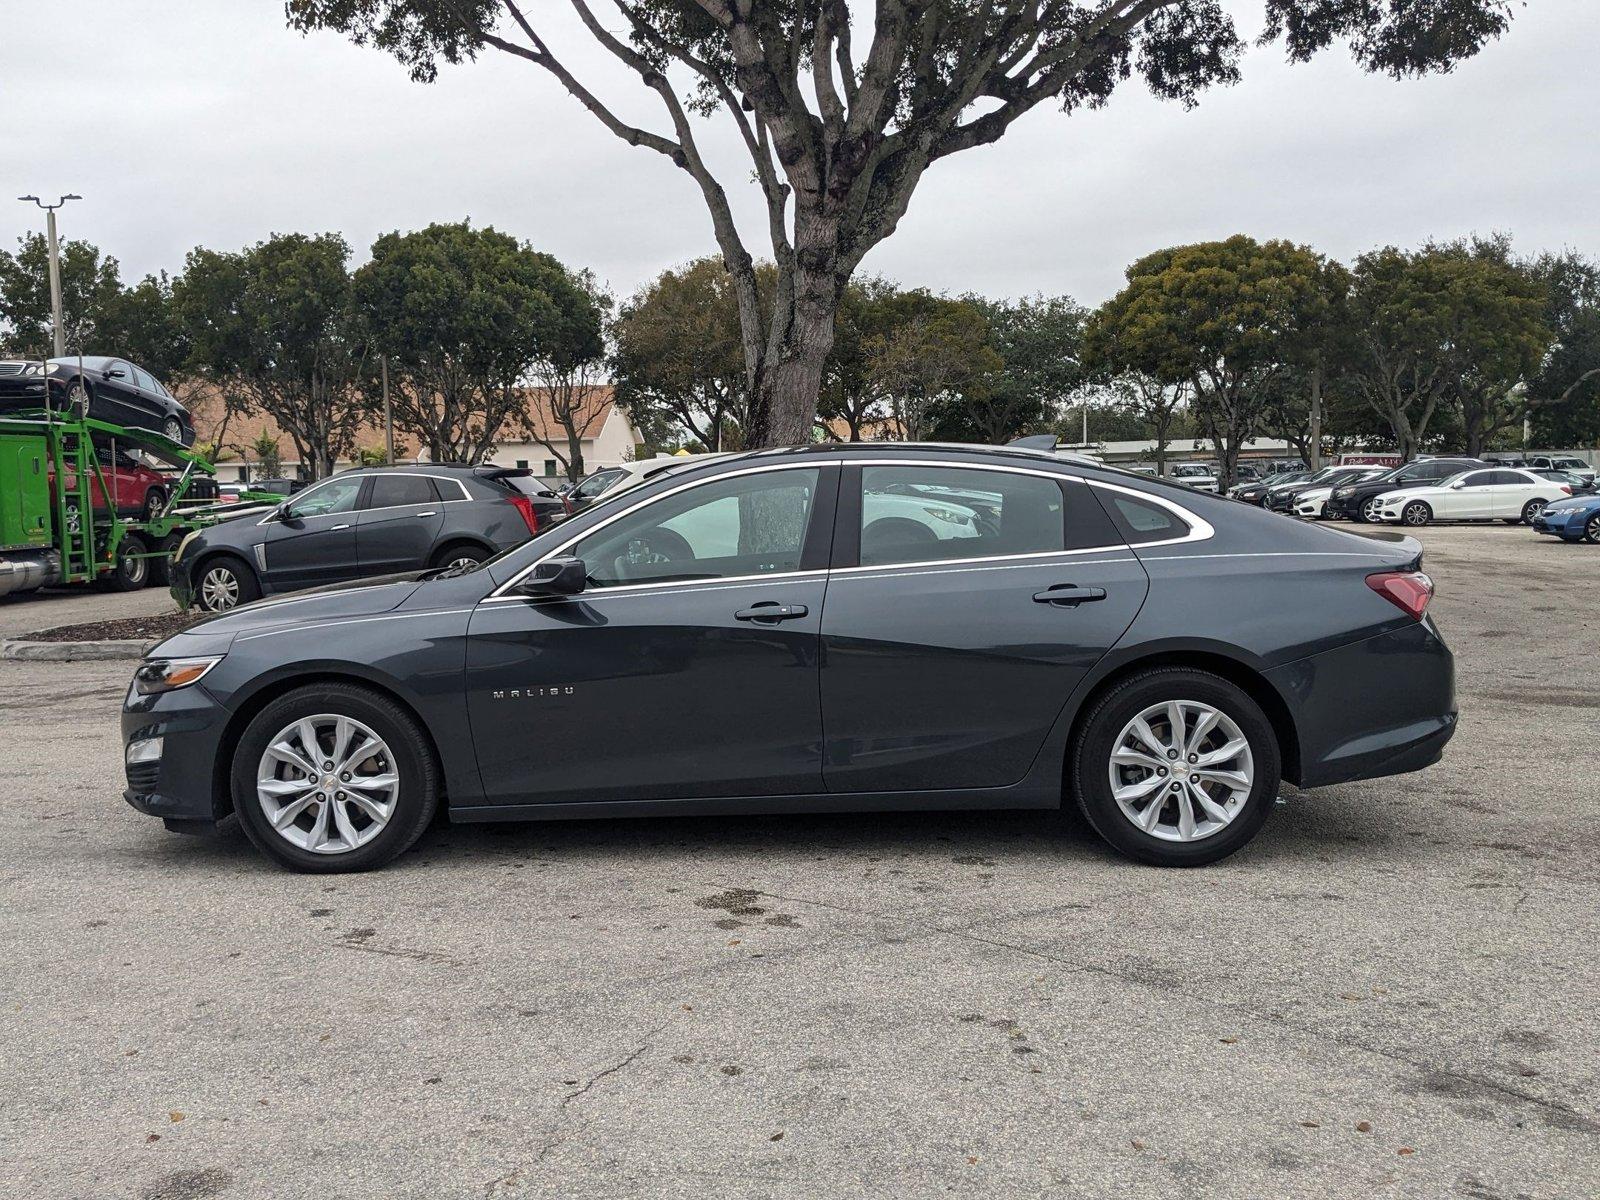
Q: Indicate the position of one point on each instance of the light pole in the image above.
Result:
(55, 267)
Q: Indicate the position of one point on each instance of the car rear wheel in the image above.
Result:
(1416, 514)
(172, 430)
(334, 777)
(1531, 511)
(1175, 767)
(221, 584)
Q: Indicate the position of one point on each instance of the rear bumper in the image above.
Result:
(1382, 706)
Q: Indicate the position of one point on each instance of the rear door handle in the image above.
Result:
(426, 514)
(771, 611)
(336, 528)
(1065, 595)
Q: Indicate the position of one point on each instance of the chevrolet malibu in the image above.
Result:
(784, 631)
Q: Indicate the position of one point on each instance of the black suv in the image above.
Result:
(362, 523)
(1357, 501)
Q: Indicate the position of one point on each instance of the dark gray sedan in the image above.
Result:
(821, 629)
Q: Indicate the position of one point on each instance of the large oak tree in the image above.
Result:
(841, 129)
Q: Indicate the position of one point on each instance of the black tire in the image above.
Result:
(1365, 516)
(1416, 514)
(161, 568)
(1104, 722)
(172, 430)
(131, 572)
(411, 759)
(245, 586)
(154, 500)
(458, 552)
(1591, 531)
(1531, 511)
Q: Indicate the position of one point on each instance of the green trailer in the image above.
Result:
(56, 534)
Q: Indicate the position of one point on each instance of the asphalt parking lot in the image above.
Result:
(1391, 992)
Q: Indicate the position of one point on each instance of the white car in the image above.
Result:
(1314, 503)
(1505, 493)
(1196, 475)
(1562, 462)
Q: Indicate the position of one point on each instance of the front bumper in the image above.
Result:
(1566, 525)
(182, 786)
(1382, 706)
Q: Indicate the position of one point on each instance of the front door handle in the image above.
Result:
(1065, 595)
(336, 528)
(769, 610)
(426, 514)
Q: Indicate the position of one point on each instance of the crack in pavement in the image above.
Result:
(612, 1070)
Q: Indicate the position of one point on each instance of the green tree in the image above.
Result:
(1444, 326)
(271, 329)
(839, 140)
(936, 355)
(851, 395)
(569, 373)
(1039, 341)
(268, 453)
(90, 285)
(1222, 316)
(1563, 396)
(463, 315)
(677, 363)
(1154, 404)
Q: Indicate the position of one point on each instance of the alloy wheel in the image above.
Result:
(1531, 511)
(78, 399)
(1181, 771)
(1591, 531)
(1372, 510)
(219, 589)
(327, 784)
(172, 431)
(462, 562)
(1415, 514)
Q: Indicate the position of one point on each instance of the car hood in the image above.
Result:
(366, 597)
(1573, 504)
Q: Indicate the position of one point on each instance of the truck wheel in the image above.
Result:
(131, 573)
(161, 568)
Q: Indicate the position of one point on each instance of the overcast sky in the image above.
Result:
(187, 123)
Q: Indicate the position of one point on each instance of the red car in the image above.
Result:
(136, 490)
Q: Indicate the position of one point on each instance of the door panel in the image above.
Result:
(649, 693)
(943, 673)
(950, 676)
(315, 542)
(398, 525)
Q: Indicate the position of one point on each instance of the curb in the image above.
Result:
(22, 649)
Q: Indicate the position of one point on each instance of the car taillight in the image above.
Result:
(1408, 590)
(566, 504)
(525, 507)
(1566, 489)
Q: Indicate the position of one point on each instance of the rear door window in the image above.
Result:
(938, 513)
(395, 491)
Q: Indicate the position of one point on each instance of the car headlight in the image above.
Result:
(184, 545)
(169, 674)
(1343, 492)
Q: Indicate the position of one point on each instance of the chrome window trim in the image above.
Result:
(1199, 528)
(465, 495)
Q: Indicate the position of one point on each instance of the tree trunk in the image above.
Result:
(1316, 419)
(790, 385)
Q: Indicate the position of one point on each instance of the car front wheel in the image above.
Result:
(1591, 531)
(1415, 514)
(224, 583)
(1175, 767)
(334, 777)
(1372, 512)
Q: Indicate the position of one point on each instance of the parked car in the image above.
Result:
(360, 524)
(1281, 497)
(1312, 502)
(611, 479)
(1579, 485)
(282, 486)
(1256, 493)
(592, 487)
(1199, 476)
(1509, 494)
(1562, 462)
(1155, 657)
(137, 490)
(1358, 499)
(107, 389)
(1572, 519)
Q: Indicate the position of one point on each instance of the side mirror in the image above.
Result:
(563, 576)
(282, 513)
(116, 373)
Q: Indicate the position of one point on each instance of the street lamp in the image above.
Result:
(55, 267)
